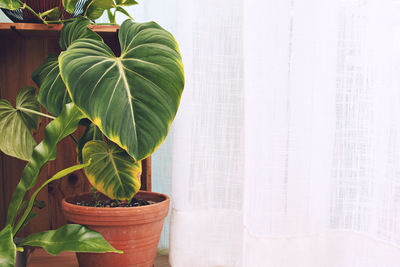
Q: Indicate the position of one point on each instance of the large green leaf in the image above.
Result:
(52, 94)
(55, 131)
(78, 29)
(70, 237)
(132, 98)
(9, 4)
(112, 171)
(16, 124)
(7, 247)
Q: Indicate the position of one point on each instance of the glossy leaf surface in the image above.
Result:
(70, 237)
(7, 247)
(78, 29)
(55, 131)
(53, 94)
(132, 98)
(17, 123)
(112, 171)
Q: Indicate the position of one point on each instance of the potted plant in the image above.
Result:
(127, 103)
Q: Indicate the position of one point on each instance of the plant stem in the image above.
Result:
(24, 5)
(57, 176)
(59, 21)
(37, 113)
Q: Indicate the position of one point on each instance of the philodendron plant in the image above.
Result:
(126, 102)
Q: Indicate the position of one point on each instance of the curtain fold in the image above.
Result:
(286, 146)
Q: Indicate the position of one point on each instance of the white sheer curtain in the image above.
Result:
(286, 149)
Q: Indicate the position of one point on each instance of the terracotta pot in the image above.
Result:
(134, 230)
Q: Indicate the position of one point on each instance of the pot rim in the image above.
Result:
(68, 205)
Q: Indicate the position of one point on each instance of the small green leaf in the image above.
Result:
(16, 124)
(53, 94)
(123, 11)
(7, 247)
(112, 171)
(78, 29)
(96, 8)
(126, 2)
(52, 14)
(69, 5)
(9, 4)
(92, 133)
(70, 237)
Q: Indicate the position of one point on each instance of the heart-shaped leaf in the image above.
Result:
(132, 98)
(16, 124)
(112, 171)
(7, 247)
(9, 4)
(53, 94)
(70, 237)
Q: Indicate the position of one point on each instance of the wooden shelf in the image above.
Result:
(52, 30)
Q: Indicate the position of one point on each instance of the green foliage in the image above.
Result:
(70, 237)
(69, 5)
(132, 98)
(126, 2)
(112, 172)
(52, 94)
(7, 247)
(51, 14)
(91, 133)
(10, 4)
(75, 31)
(17, 124)
(127, 103)
(55, 131)
(96, 8)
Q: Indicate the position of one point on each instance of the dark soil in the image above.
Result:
(112, 203)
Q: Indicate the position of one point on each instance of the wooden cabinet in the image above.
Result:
(23, 47)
